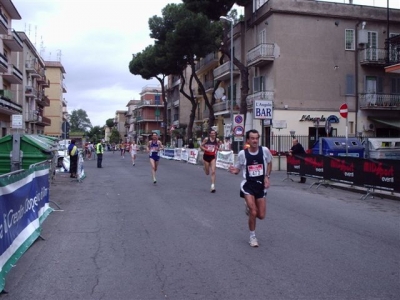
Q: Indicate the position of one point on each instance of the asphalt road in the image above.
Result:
(119, 236)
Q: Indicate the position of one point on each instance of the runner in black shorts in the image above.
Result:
(256, 163)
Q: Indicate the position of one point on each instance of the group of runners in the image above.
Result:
(254, 161)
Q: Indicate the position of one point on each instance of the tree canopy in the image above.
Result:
(213, 9)
(79, 121)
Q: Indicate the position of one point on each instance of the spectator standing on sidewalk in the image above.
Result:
(99, 153)
(73, 159)
(256, 163)
(297, 149)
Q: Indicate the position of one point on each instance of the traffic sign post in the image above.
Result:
(344, 110)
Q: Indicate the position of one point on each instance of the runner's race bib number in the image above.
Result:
(255, 170)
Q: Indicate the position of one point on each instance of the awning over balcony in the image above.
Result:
(393, 69)
(390, 122)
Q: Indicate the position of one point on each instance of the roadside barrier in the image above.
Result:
(192, 156)
(24, 205)
(373, 174)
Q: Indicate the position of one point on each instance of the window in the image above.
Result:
(350, 86)
(262, 37)
(258, 3)
(234, 92)
(349, 39)
(395, 86)
(258, 84)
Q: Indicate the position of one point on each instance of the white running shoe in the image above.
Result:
(213, 188)
(253, 241)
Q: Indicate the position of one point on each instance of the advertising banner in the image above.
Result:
(381, 174)
(193, 154)
(24, 205)
(293, 165)
(184, 154)
(312, 166)
(224, 159)
(168, 153)
(177, 153)
(343, 169)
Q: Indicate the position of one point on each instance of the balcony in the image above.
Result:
(223, 72)
(7, 106)
(32, 67)
(13, 42)
(31, 116)
(373, 57)
(3, 63)
(13, 75)
(374, 101)
(30, 92)
(176, 103)
(6, 94)
(45, 83)
(264, 95)
(43, 100)
(261, 55)
(224, 107)
(208, 62)
(3, 24)
(44, 121)
(64, 87)
(150, 103)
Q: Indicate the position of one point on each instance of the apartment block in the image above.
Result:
(33, 89)
(308, 58)
(10, 74)
(57, 110)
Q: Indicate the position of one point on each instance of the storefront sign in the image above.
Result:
(312, 119)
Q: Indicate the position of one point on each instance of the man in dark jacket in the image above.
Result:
(73, 159)
(297, 149)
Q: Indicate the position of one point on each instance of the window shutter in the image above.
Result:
(379, 83)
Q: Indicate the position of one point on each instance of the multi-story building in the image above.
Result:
(56, 111)
(309, 57)
(149, 112)
(120, 124)
(130, 122)
(33, 88)
(10, 103)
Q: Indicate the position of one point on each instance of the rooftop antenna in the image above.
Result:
(42, 48)
(59, 55)
(35, 35)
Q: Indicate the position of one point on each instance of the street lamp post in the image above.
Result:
(230, 20)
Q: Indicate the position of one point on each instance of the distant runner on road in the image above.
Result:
(210, 146)
(154, 146)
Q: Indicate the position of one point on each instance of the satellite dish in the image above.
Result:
(219, 92)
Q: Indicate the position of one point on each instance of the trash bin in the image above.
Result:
(383, 148)
(34, 149)
(336, 146)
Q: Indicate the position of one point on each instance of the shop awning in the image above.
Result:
(390, 122)
(393, 69)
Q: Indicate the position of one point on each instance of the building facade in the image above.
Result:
(10, 74)
(57, 110)
(308, 58)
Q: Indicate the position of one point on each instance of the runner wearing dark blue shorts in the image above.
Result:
(154, 147)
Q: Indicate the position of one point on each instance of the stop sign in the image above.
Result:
(343, 110)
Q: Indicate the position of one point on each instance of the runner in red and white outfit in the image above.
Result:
(210, 146)
(133, 148)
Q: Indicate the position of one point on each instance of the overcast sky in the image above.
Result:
(95, 41)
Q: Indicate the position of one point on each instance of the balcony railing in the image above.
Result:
(223, 71)
(6, 94)
(225, 106)
(264, 95)
(3, 63)
(208, 61)
(379, 101)
(44, 121)
(373, 56)
(261, 54)
(13, 75)
(31, 116)
(13, 42)
(3, 24)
